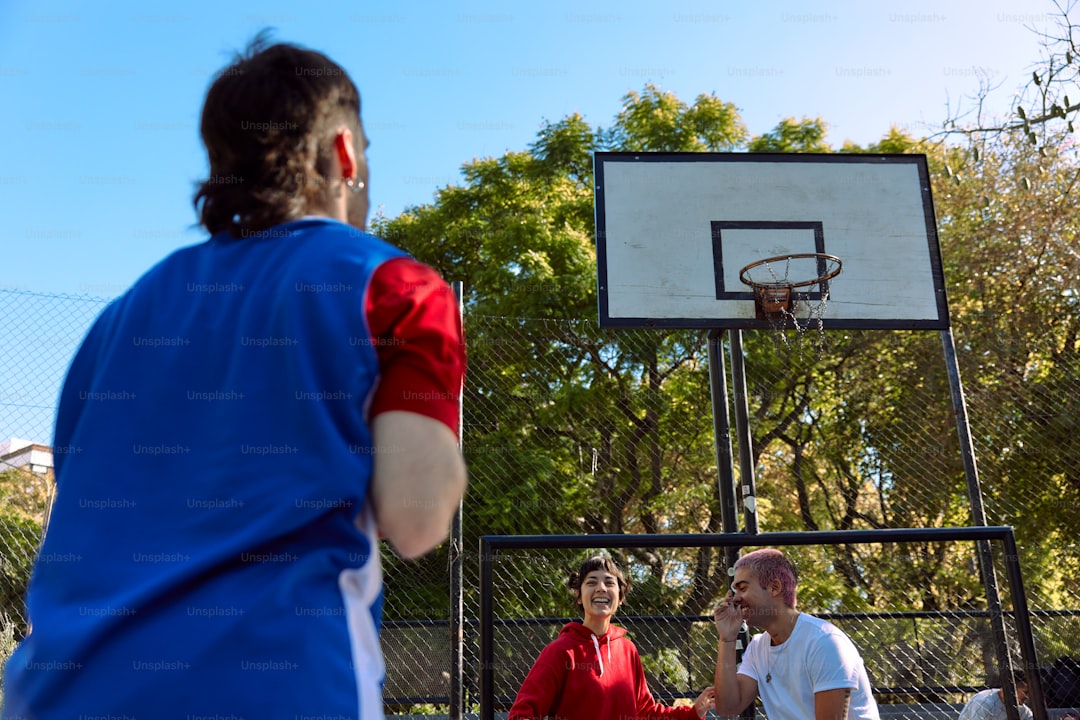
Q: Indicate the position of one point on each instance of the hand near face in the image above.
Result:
(728, 619)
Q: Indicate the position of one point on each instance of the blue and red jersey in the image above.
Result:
(210, 550)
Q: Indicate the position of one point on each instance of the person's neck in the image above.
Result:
(598, 625)
(781, 628)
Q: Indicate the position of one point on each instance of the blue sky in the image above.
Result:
(99, 148)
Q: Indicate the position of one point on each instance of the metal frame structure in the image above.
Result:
(490, 545)
(743, 182)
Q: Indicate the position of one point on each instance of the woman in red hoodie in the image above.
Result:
(592, 670)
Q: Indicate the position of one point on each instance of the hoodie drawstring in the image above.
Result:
(596, 647)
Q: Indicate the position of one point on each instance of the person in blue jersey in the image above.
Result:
(244, 424)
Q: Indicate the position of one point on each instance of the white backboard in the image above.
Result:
(675, 229)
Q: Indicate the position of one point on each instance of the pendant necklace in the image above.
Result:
(768, 675)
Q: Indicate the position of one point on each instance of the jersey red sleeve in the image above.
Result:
(416, 328)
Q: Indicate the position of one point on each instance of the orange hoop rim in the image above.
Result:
(793, 256)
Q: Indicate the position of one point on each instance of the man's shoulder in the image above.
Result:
(825, 642)
(983, 705)
(815, 621)
(984, 695)
(334, 236)
(303, 236)
(308, 238)
(820, 628)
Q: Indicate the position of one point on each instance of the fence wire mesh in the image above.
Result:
(572, 429)
(917, 660)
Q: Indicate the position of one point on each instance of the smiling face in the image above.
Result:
(758, 604)
(599, 595)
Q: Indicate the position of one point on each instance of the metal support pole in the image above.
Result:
(742, 432)
(487, 642)
(725, 468)
(1023, 632)
(729, 519)
(456, 561)
(978, 519)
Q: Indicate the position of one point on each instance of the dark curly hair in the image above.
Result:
(268, 126)
(598, 562)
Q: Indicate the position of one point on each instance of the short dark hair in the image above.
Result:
(598, 562)
(267, 124)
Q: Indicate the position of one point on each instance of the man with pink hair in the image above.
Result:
(801, 666)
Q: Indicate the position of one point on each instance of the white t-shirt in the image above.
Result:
(987, 705)
(817, 657)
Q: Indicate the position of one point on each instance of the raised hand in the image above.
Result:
(728, 618)
(705, 702)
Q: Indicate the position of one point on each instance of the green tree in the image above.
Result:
(24, 502)
(794, 136)
(1009, 221)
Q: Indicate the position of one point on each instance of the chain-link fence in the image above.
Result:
(39, 334)
(569, 429)
(913, 657)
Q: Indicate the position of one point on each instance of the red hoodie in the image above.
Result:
(580, 676)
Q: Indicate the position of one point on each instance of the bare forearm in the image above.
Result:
(726, 680)
(419, 480)
(832, 704)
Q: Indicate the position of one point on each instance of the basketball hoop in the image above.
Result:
(775, 299)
